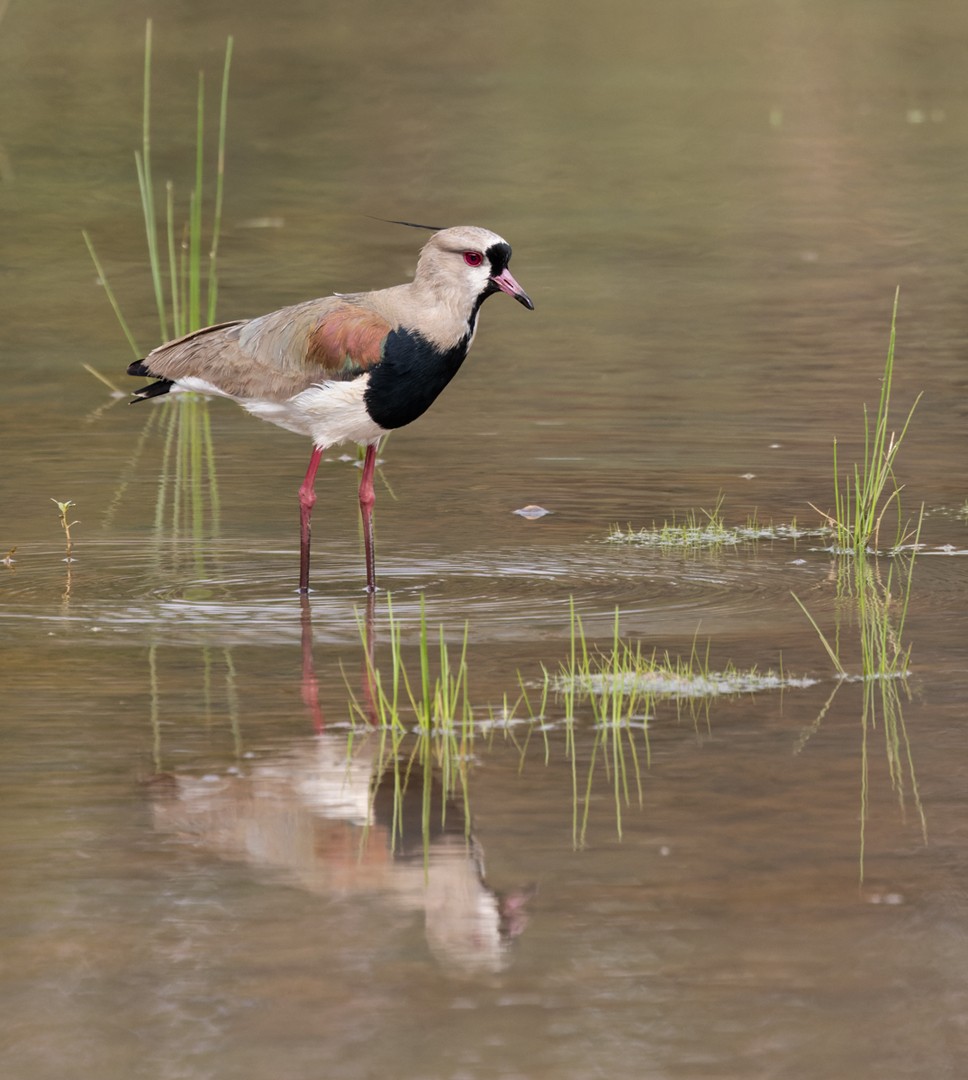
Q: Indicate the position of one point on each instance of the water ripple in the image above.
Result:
(230, 592)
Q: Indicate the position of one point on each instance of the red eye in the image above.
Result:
(473, 258)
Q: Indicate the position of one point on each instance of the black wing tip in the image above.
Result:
(155, 389)
(139, 369)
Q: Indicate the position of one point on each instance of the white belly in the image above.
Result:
(329, 413)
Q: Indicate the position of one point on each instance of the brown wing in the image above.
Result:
(349, 339)
(278, 355)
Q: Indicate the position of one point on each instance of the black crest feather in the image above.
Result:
(410, 224)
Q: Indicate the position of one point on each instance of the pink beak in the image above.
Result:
(506, 283)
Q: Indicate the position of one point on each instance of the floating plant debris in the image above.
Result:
(666, 683)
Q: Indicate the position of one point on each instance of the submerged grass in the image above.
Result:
(706, 530)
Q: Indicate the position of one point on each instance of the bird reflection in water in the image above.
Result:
(330, 815)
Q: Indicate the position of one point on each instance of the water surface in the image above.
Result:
(712, 206)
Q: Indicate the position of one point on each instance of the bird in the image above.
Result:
(349, 367)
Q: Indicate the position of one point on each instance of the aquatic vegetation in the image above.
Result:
(64, 509)
(626, 681)
(707, 530)
(415, 701)
(425, 723)
(419, 707)
(874, 606)
(185, 290)
(863, 499)
(116, 391)
(622, 687)
(865, 495)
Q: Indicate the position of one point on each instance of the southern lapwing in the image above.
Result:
(347, 367)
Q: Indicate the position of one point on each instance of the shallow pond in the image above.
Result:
(211, 866)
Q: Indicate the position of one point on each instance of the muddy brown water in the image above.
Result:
(711, 205)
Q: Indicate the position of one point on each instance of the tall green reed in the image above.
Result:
(183, 261)
(867, 492)
(184, 282)
(871, 599)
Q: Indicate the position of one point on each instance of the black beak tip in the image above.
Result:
(525, 301)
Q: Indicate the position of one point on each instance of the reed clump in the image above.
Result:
(183, 265)
(868, 495)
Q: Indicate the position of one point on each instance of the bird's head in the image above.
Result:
(469, 264)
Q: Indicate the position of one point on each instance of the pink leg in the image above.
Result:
(307, 499)
(367, 499)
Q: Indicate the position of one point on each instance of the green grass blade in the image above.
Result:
(112, 299)
(219, 187)
(823, 640)
(147, 193)
(176, 308)
(195, 219)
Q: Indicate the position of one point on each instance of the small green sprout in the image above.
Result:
(64, 508)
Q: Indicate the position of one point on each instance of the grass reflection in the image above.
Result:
(212, 687)
(187, 505)
(621, 687)
(424, 721)
(420, 707)
(869, 618)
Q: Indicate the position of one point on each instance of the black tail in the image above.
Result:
(162, 386)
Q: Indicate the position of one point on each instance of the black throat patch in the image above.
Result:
(409, 378)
